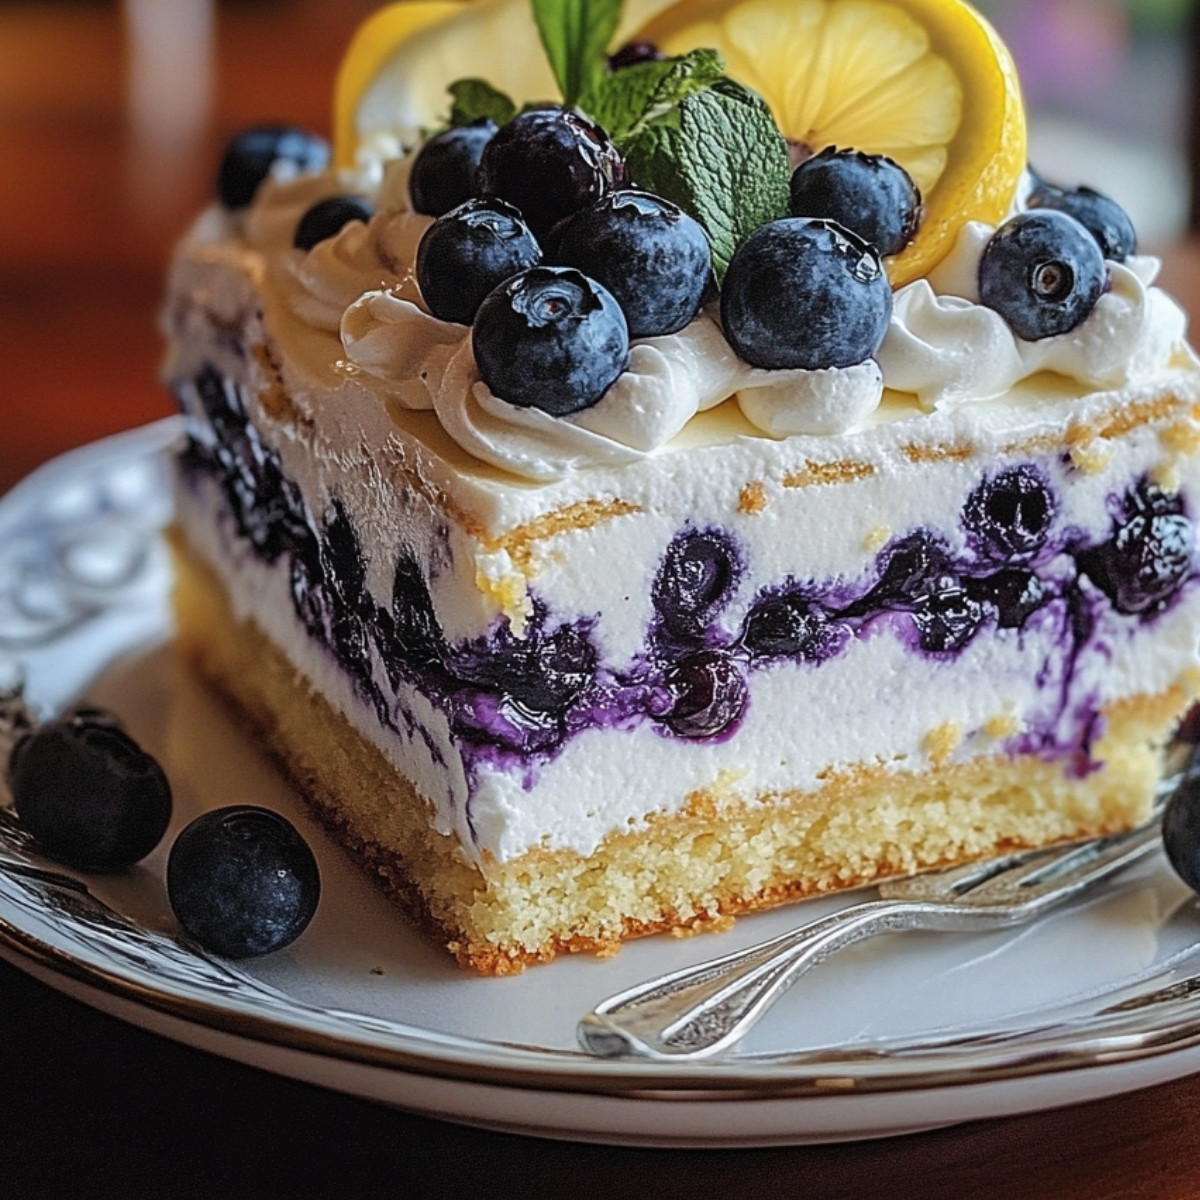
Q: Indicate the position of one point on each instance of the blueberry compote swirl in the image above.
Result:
(520, 699)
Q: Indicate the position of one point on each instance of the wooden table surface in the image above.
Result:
(92, 192)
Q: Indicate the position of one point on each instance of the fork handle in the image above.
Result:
(702, 1010)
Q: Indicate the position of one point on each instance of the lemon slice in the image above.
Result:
(393, 78)
(927, 82)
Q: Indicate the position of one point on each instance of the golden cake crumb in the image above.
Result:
(1182, 438)
(753, 498)
(1091, 457)
(818, 473)
(941, 742)
(1004, 725)
(876, 538)
(916, 453)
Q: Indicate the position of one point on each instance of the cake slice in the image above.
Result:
(564, 669)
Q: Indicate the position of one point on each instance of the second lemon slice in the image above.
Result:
(926, 82)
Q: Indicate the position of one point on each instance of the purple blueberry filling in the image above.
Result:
(515, 701)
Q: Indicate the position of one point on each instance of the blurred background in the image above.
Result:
(113, 114)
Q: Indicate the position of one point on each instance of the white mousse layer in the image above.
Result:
(368, 399)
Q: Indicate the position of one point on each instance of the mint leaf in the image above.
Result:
(475, 99)
(623, 101)
(576, 34)
(720, 156)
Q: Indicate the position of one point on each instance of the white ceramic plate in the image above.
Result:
(903, 1033)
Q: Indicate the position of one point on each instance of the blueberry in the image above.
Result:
(468, 252)
(869, 194)
(1101, 216)
(1014, 595)
(252, 154)
(695, 580)
(443, 173)
(1149, 556)
(1043, 273)
(805, 293)
(343, 556)
(417, 635)
(310, 598)
(1009, 515)
(787, 625)
(242, 881)
(652, 256)
(328, 217)
(632, 53)
(544, 673)
(549, 163)
(708, 695)
(550, 338)
(947, 617)
(1181, 824)
(88, 794)
(910, 568)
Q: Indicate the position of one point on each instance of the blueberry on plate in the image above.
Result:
(251, 155)
(469, 251)
(870, 194)
(1042, 272)
(88, 794)
(242, 881)
(550, 338)
(443, 173)
(652, 256)
(328, 217)
(1100, 215)
(1181, 824)
(806, 293)
(549, 163)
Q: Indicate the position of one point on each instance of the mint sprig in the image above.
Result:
(474, 99)
(576, 34)
(623, 102)
(719, 155)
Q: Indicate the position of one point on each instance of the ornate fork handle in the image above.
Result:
(700, 1011)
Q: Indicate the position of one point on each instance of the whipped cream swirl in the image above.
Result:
(946, 348)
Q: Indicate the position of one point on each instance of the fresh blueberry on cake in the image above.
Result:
(652, 257)
(550, 338)
(1043, 273)
(469, 251)
(805, 293)
(329, 217)
(549, 163)
(1099, 214)
(253, 155)
(869, 194)
(443, 170)
(712, 473)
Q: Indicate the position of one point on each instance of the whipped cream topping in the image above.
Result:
(946, 348)
(942, 346)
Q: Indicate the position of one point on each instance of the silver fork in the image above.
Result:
(700, 1011)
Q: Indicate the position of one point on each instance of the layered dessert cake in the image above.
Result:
(618, 548)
